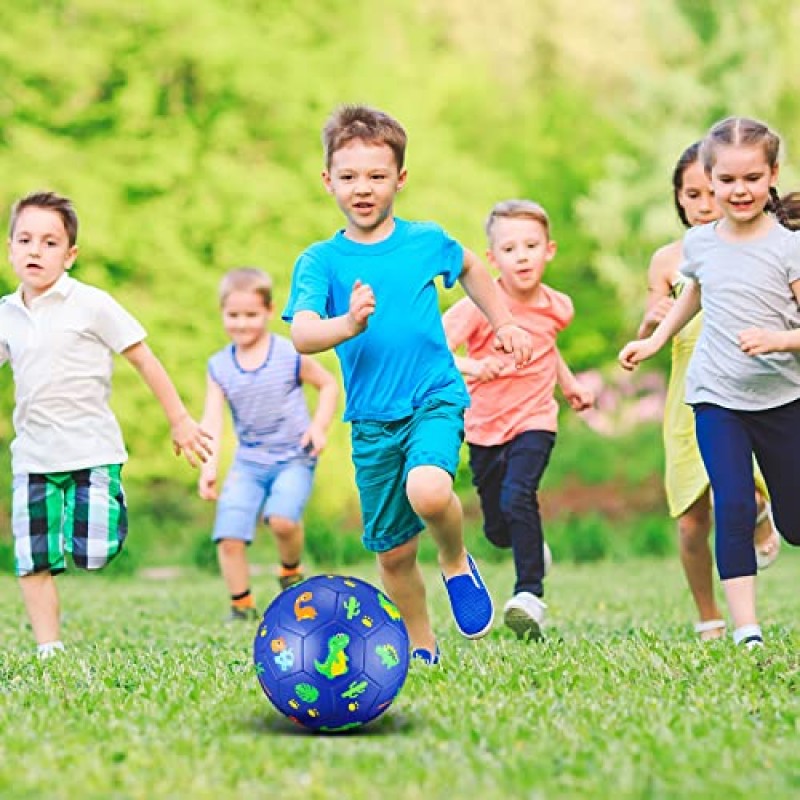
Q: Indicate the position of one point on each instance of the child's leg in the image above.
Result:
(289, 539)
(232, 559)
(776, 442)
(727, 452)
(40, 596)
(488, 466)
(37, 515)
(527, 457)
(694, 527)
(238, 508)
(430, 492)
(402, 579)
(283, 511)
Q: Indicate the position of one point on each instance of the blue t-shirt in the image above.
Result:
(401, 360)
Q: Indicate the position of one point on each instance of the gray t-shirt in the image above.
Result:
(743, 285)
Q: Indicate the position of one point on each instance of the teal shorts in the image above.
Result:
(385, 452)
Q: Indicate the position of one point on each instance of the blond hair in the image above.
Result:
(517, 209)
(349, 122)
(246, 279)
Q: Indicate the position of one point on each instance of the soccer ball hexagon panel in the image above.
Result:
(331, 653)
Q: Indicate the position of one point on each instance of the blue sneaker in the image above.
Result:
(470, 601)
(426, 657)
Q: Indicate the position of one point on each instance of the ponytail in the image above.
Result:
(775, 207)
(790, 204)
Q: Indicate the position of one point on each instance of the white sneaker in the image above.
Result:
(524, 613)
(548, 559)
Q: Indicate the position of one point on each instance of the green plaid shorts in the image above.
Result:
(81, 512)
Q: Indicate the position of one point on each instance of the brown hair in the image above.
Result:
(517, 209)
(52, 202)
(746, 132)
(246, 279)
(691, 155)
(790, 203)
(351, 122)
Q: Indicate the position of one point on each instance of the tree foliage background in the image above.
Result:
(187, 134)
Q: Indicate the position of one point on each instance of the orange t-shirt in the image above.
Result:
(517, 400)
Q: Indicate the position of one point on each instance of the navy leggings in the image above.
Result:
(728, 440)
(507, 478)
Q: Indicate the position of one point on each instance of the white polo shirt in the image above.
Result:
(61, 351)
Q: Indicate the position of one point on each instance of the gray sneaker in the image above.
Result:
(524, 613)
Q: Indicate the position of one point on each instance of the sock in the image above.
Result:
(47, 649)
(290, 569)
(243, 600)
(749, 636)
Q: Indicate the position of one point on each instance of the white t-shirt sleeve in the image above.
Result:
(115, 326)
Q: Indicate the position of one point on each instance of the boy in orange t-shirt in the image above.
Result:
(511, 425)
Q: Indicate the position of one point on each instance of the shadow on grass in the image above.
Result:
(390, 724)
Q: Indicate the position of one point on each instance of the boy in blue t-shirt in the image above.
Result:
(369, 293)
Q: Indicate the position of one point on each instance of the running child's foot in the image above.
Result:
(289, 576)
(430, 659)
(49, 649)
(470, 602)
(525, 613)
(242, 615)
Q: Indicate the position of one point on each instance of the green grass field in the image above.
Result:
(156, 699)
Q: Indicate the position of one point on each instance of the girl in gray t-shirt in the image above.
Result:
(743, 381)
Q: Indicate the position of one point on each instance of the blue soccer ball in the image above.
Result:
(331, 652)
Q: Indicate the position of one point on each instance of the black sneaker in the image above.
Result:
(242, 615)
(290, 579)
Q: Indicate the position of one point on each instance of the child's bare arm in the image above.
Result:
(579, 397)
(478, 284)
(211, 422)
(660, 289)
(312, 372)
(686, 306)
(187, 436)
(312, 334)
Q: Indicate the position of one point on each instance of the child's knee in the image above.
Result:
(430, 499)
(227, 548)
(518, 502)
(284, 528)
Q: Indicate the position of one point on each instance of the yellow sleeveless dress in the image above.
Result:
(685, 476)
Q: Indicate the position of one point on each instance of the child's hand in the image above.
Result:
(635, 352)
(191, 440)
(757, 342)
(483, 369)
(510, 338)
(314, 440)
(207, 484)
(362, 306)
(580, 397)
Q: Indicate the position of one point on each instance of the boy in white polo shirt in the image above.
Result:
(60, 336)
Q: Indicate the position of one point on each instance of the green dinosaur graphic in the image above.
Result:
(388, 606)
(306, 692)
(355, 689)
(259, 668)
(335, 663)
(352, 607)
(388, 655)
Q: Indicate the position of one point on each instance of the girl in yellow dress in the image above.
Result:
(686, 481)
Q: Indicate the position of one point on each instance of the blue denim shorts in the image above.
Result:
(385, 452)
(250, 490)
